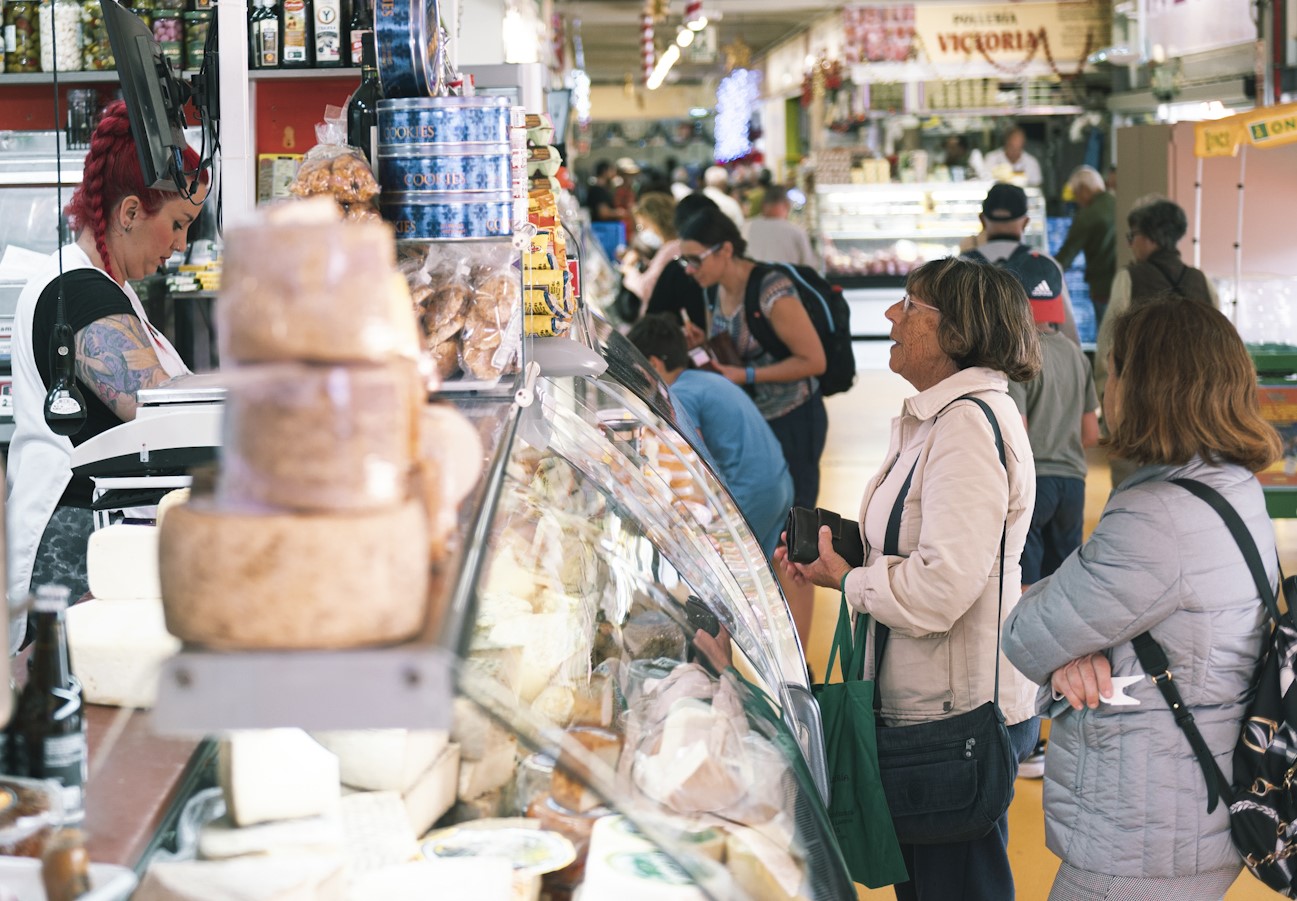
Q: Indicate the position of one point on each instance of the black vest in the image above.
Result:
(1162, 273)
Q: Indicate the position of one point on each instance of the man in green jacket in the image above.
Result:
(1094, 231)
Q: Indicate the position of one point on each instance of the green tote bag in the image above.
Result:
(857, 807)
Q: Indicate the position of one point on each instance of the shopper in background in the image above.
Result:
(746, 452)
(962, 328)
(785, 390)
(624, 193)
(1004, 222)
(716, 185)
(773, 239)
(963, 162)
(1125, 798)
(675, 292)
(1094, 232)
(598, 194)
(1155, 227)
(1012, 159)
(754, 195)
(123, 231)
(653, 248)
(680, 187)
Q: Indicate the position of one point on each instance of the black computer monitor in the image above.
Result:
(154, 97)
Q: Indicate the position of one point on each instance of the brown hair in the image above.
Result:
(985, 315)
(660, 209)
(1186, 387)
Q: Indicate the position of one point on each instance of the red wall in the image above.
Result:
(288, 110)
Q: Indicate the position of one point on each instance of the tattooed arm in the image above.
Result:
(115, 359)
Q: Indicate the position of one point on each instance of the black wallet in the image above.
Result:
(803, 536)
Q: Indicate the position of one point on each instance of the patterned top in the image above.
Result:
(773, 399)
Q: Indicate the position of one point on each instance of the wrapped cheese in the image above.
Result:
(247, 581)
(319, 438)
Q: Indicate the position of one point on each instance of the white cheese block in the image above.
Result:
(249, 581)
(433, 793)
(280, 878)
(384, 759)
(764, 869)
(122, 563)
(377, 831)
(276, 774)
(222, 839)
(448, 879)
(119, 648)
(496, 768)
(548, 641)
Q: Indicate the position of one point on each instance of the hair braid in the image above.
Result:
(112, 172)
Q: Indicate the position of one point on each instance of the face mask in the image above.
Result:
(650, 239)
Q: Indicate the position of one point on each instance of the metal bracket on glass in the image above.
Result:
(806, 713)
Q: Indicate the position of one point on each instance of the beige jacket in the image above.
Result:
(939, 597)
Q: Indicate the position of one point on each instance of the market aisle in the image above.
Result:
(857, 443)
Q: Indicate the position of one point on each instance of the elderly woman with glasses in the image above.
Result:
(932, 522)
(782, 379)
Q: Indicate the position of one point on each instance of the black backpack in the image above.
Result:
(1040, 276)
(1263, 796)
(829, 314)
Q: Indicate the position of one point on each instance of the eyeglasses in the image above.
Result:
(1130, 237)
(908, 303)
(693, 261)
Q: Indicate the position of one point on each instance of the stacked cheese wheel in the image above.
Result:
(317, 535)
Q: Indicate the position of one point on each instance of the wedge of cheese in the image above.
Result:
(384, 759)
(119, 648)
(122, 563)
(433, 793)
(377, 831)
(761, 867)
(494, 770)
(276, 774)
(280, 878)
(222, 839)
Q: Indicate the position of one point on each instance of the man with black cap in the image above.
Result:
(1004, 220)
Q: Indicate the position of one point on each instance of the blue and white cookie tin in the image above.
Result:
(443, 120)
(443, 168)
(410, 55)
(444, 216)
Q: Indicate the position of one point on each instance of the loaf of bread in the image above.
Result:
(314, 292)
(253, 581)
(319, 438)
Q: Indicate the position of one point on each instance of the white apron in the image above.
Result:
(39, 460)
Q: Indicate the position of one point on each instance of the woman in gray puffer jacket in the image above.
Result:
(1125, 798)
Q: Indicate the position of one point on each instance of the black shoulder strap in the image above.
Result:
(1022, 250)
(976, 256)
(1153, 658)
(758, 325)
(891, 547)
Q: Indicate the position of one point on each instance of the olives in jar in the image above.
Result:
(96, 51)
(22, 36)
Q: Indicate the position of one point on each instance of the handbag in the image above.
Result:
(802, 534)
(858, 810)
(721, 348)
(948, 780)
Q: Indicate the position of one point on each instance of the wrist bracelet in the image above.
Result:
(752, 376)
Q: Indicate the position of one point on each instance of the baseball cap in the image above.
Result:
(629, 166)
(1043, 281)
(1004, 203)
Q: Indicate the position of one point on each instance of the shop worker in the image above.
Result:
(123, 231)
(1012, 160)
(1004, 222)
(732, 428)
(1094, 232)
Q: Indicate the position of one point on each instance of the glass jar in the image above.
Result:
(60, 23)
(197, 23)
(170, 35)
(96, 51)
(22, 36)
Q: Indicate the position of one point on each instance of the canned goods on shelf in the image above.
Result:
(454, 217)
(423, 167)
(443, 120)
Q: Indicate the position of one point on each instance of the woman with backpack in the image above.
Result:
(785, 390)
(1126, 799)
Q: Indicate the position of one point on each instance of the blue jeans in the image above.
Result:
(1056, 525)
(968, 871)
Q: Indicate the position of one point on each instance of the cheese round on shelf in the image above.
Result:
(320, 292)
(234, 580)
(327, 438)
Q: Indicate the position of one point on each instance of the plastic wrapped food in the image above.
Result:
(334, 169)
(319, 438)
(30, 811)
(329, 293)
(487, 342)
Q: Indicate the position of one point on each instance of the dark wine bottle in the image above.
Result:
(362, 23)
(362, 108)
(47, 738)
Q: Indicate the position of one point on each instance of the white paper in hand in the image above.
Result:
(1119, 697)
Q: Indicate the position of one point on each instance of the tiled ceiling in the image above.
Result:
(610, 32)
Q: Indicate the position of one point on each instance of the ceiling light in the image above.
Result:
(685, 37)
(699, 112)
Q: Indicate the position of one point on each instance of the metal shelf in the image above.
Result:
(302, 74)
(64, 77)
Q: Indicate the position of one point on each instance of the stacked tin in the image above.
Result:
(446, 166)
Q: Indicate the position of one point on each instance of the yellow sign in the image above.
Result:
(1219, 137)
(1270, 126)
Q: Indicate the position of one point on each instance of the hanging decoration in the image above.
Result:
(738, 55)
(648, 56)
(658, 9)
(694, 18)
(736, 101)
(824, 79)
(558, 42)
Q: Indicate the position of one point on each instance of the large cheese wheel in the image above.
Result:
(326, 293)
(326, 438)
(244, 581)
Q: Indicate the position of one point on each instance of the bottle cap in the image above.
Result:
(51, 599)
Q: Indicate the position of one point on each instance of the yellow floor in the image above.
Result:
(858, 434)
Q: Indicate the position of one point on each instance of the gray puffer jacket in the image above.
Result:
(1124, 794)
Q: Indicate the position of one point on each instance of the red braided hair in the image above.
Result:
(112, 172)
